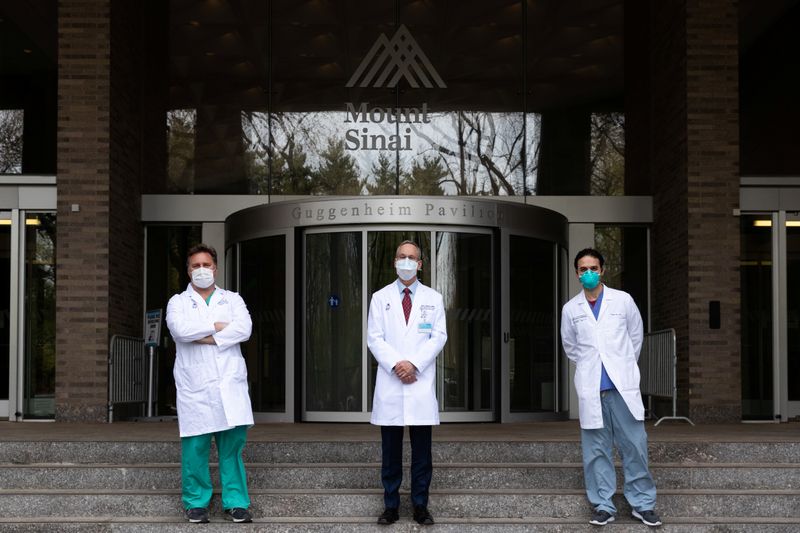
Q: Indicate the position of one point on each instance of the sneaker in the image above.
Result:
(648, 518)
(388, 516)
(198, 515)
(601, 518)
(237, 514)
(422, 516)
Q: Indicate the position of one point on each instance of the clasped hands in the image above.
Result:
(218, 326)
(406, 371)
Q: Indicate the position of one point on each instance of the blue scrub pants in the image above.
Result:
(392, 464)
(196, 478)
(622, 430)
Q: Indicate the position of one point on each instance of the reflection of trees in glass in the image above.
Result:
(465, 153)
(337, 172)
(608, 240)
(425, 178)
(384, 176)
(607, 158)
(482, 152)
(11, 122)
(40, 310)
(291, 173)
(180, 149)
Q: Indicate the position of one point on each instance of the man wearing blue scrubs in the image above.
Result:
(601, 330)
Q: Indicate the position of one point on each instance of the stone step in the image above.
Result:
(367, 475)
(169, 524)
(20, 452)
(485, 503)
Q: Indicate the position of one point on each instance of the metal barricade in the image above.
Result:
(127, 372)
(658, 366)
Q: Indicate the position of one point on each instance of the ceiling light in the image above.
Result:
(768, 223)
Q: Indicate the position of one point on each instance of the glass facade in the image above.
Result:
(28, 87)
(625, 250)
(167, 275)
(757, 321)
(40, 316)
(279, 97)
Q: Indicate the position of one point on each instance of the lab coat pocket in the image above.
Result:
(191, 380)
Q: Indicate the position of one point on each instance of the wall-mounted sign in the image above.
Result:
(152, 327)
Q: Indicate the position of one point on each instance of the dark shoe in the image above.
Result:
(198, 515)
(648, 518)
(601, 518)
(422, 516)
(237, 514)
(389, 516)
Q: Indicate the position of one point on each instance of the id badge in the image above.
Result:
(425, 327)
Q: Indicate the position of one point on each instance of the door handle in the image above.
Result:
(505, 337)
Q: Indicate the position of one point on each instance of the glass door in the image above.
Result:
(531, 360)
(333, 318)
(344, 267)
(39, 340)
(792, 323)
(465, 369)
(5, 311)
(756, 280)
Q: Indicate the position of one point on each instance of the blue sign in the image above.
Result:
(333, 301)
(152, 327)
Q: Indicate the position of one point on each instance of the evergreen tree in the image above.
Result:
(425, 178)
(384, 172)
(290, 172)
(337, 173)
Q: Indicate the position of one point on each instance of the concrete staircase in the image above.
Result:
(335, 486)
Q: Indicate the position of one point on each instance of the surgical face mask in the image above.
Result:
(406, 268)
(590, 279)
(203, 277)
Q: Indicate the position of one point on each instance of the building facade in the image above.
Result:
(305, 139)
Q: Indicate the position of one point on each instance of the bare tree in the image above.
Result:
(11, 123)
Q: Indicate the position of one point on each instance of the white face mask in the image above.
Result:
(203, 277)
(406, 268)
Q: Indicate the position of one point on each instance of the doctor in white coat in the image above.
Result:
(601, 330)
(406, 331)
(208, 323)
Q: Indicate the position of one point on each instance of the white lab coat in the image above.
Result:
(613, 339)
(211, 380)
(391, 340)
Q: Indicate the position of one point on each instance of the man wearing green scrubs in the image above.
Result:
(208, 323)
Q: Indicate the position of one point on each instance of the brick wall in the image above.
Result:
(99, 255)
(84, 57)
(695, 168)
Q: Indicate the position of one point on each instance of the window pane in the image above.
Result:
(217, 70)
(263, 279)
(333, 322)
(532, 343)
(756, 308)
(167, 276)
(11, 121)
(40, 314)
(624, 249)
(464, 278)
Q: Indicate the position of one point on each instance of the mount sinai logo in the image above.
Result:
(390, 60)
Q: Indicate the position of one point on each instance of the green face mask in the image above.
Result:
(589, 279)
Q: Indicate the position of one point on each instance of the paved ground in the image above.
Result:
(533, 431)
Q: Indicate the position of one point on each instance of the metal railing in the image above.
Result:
(127, 372)
(658, 366)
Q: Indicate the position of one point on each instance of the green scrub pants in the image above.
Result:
(196, 478)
